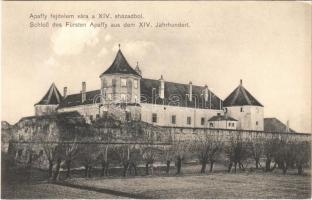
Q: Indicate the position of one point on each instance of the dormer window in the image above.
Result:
(123, 82)
(241, 109)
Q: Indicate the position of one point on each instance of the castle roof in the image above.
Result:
(120, 66)
(275, 125)
(176, 94)
(221, 118)
(75, 99)
(241, 97)
(52, 97)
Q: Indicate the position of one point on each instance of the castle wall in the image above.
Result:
(250, 118)
(45, 109)
(164, 115)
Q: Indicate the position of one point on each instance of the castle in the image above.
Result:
(125, 94)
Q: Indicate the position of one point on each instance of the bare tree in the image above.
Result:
(167, 156)
(207, 148)
(270, 148)
(150, 154)
(122, 153)
(285, 155)
(71, 151)
(180, 149)
(237, 151)
(88, 156)
(302, 151)
(256, 145)
(104, 150)
(50, 149)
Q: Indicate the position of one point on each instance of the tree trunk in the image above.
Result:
(57, 170)
(86, 170)
(68, 165)
(146, 169)
(267, 165)
(90, 172)
(300, 169)
(50, 170)
(103, 169)
(168, 167)
(179, 165)
(135, 169)
(230, 167)
(285, 169)
(106, 169)
(211, 165)
(152, 168)
(126, 165)
(203, 168)
(257, 163)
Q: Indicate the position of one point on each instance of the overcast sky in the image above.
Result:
(267, 44)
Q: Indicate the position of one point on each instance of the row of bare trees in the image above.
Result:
(78, 144)
(267, 153)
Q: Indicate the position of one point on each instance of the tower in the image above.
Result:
(49, 102)
(241, 105)
(120, 84)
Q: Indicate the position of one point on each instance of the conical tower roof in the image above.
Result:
(120, 66)
(52, 97)
(241, 97)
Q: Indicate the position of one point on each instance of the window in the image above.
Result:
(188, 120)
(123, 97)
(91, 117)
(230, 124)
(135, 98)
(257, 123)
(241, 109)
(123, 82)
(173, 119)
(154, 118)
(135, 82)
(109, 97)
(202, 121)
(211, 124)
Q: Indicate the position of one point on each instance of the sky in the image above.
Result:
(266, 44)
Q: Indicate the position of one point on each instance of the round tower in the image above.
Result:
(241, 105)
(49, 102)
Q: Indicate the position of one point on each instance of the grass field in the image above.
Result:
(22, 183)
(49, 191)
(218, 185)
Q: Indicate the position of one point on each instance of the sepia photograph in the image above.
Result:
(156, 100)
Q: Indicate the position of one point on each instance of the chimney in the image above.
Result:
(190, 91)
(83, 92)
(162, 87)
(241, 82)
(206, 93)
(65, 92)
(220, 104)
(137, 69)
(287, 127)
